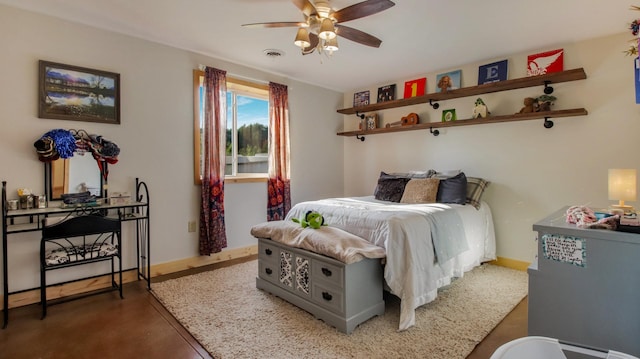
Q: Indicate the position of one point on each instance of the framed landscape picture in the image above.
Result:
(493, 72)
(448, 81)
(545, 62)
(415, 88)
(387, 93)
(360, 98)
(76, 93)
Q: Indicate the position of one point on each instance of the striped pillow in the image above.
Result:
(475, 188)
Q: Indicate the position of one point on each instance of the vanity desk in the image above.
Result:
(30, 220)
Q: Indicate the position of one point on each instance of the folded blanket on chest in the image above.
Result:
(329, 241)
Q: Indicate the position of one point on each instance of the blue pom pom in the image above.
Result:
(65, 143)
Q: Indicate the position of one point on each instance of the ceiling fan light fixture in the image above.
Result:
(327, 30)
(331, 45)
(302, 38)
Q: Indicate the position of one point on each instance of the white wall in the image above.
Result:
(155, 134)
(533, 170)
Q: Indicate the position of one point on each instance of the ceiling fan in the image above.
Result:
(322, 24)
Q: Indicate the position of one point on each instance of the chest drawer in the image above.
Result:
(267, 252)
(328, 273)
(328, 297)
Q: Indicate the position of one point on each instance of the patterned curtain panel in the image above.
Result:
(213, 235)
(279, 192)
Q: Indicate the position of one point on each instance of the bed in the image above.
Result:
(409, 233)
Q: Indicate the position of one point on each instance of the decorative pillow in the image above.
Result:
(475, 189)
(390, 188)
(421, 190)
(453, 189)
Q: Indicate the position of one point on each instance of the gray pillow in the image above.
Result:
(453, 189)
(390, 187)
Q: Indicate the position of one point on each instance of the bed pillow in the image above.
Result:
(475, 189)
(421, 190)
(390, 188)
(415, 174)
(453, 189)
(446, 174)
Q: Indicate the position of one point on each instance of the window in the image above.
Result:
(247, 129)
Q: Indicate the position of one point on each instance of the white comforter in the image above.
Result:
(412, 271)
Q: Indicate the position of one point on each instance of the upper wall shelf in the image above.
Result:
(556, 77)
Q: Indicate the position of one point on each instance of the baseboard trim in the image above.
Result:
(511, 263)
(88, 285)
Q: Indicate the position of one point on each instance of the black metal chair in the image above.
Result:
(77, 241)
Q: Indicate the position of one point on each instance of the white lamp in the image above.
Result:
(622, 187)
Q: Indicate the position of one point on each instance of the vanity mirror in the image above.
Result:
(75, 162)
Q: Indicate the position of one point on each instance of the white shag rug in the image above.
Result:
(231, 318)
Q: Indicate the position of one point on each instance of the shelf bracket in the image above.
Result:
(361, 138)
(434, 105)
(548, 89)
(435, 133)
(548, 123)
(361, 115)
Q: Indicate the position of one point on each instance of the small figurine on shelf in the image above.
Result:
(545, 102)
(480, 109)
(530, 105)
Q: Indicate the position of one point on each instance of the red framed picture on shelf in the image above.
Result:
(545, 62)
(415, 87)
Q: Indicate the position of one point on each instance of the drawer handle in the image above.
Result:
(326, 296)
(326, 272)
(268, 251)
(268, 271)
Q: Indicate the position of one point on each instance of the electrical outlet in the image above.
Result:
(192, 226)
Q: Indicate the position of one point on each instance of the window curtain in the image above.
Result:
(279, 192)
(213, 235)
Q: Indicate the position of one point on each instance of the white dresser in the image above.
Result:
(342, 295)
(584, 287)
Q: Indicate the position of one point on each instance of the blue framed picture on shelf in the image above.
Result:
(493, 72)
(360, 98)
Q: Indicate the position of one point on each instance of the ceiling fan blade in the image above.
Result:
(274, 24)
(313, 38)
(357, 36)
(362, 9)
(305, 6)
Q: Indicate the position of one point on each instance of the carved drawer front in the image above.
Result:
(328, 273)
(328, 297)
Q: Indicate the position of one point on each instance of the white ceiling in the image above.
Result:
(418, 36)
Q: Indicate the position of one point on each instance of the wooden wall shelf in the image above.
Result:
(469, 122)
(556, 77)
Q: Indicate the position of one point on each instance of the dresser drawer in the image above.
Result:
(328, 273)
(267, 251)
(328, 297)
(268, 271)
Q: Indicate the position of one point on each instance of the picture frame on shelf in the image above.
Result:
(361, 98)
(415, 87)
(387, 93)
(493, 72)
(449, 115)
(68, 92)
(448, 81)
(545, 62)
(371, 121)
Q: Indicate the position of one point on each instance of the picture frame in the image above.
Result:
(386, 93)
(493, 72)
(448, 81)
(371, 121)
(360, 98)
(449, 115)
(545, 62)
(68, 92)
(415, 87)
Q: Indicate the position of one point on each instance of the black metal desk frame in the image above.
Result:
(31, 221)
